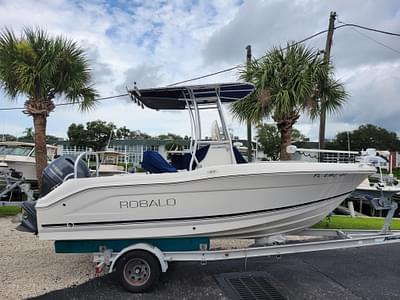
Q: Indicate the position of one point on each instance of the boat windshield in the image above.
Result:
(15, 150)
(110, 160)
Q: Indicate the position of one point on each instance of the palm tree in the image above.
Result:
(41, 68)
(29, 133)
(290, 81)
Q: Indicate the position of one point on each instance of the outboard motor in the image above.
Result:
(53, 176)
(56, 172)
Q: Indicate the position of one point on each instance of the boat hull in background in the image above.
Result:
(23, 165)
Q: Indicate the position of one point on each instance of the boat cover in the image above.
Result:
(153, 162)
(175, 97)
(182, 162)
(238, 156)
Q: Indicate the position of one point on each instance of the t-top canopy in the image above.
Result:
(176, 97)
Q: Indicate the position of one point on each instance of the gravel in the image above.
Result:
(29, 267)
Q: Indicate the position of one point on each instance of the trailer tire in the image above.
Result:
(137, 271)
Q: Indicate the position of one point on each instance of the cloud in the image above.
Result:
(375, 96)
(159, 42)
(101, 71)
(145, 76)
(264, 24)
(369, 71)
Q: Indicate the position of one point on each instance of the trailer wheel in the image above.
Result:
(137, 271)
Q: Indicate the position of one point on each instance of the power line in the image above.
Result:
(97, 99)
(207, 75)
(241, 65)
(368, 37)
(66, 103)
(367, 28)
(299, 42)
(376, 41)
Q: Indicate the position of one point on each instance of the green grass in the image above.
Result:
(347, 222)
(396, 172)
(9, 210)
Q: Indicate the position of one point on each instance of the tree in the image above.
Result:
(170, 136)
(7, 137)
(137, 134)
(123, 133)
(290, 81)
(44, 69)
(29, 137)
(297, 136)
(268, 137)
(52, 140)
(77, 135)
(29, 133)
(95, 135)
(99, 133)
(367, 136)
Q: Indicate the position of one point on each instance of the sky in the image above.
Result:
(159, 42)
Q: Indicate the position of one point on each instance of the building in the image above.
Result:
(133, 148)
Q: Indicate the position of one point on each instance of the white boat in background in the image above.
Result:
(378, 189)
(109, 160)
(19, 157)
(215, 194)
(379, 185)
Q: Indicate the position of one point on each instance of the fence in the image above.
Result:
(134, 153)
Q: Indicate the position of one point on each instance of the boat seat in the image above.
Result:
(153, 162)
(238, 156)
(182, 162)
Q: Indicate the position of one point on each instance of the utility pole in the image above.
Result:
(327, 54)
(249, 144)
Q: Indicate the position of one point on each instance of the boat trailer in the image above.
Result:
(138, 266)
(14, 183)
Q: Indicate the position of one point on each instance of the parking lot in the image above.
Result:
(29, 268)
(365, 273)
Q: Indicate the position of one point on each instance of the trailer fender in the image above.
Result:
(146, 247)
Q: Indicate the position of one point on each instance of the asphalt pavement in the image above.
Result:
(364, 273)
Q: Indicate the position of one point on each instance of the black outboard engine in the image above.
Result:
(55, 173)
(53, 176)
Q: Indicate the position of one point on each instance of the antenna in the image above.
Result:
(109, 139)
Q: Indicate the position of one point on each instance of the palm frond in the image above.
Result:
(43, 67)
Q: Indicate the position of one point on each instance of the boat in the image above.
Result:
(18, 159)
(211, 192)
(379, 190)
(109, 160)
(379, 185)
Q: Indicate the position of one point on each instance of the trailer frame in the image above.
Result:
(108, 261)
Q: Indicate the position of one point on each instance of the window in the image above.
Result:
(16, 150)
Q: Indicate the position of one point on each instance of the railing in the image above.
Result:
(86, 153)
(329, 156)
(80, 157)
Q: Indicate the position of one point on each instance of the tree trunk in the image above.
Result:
(286, 139)
(39, 122)
(285, 125)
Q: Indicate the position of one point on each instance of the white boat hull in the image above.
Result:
(25, 165)
(243, 201)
